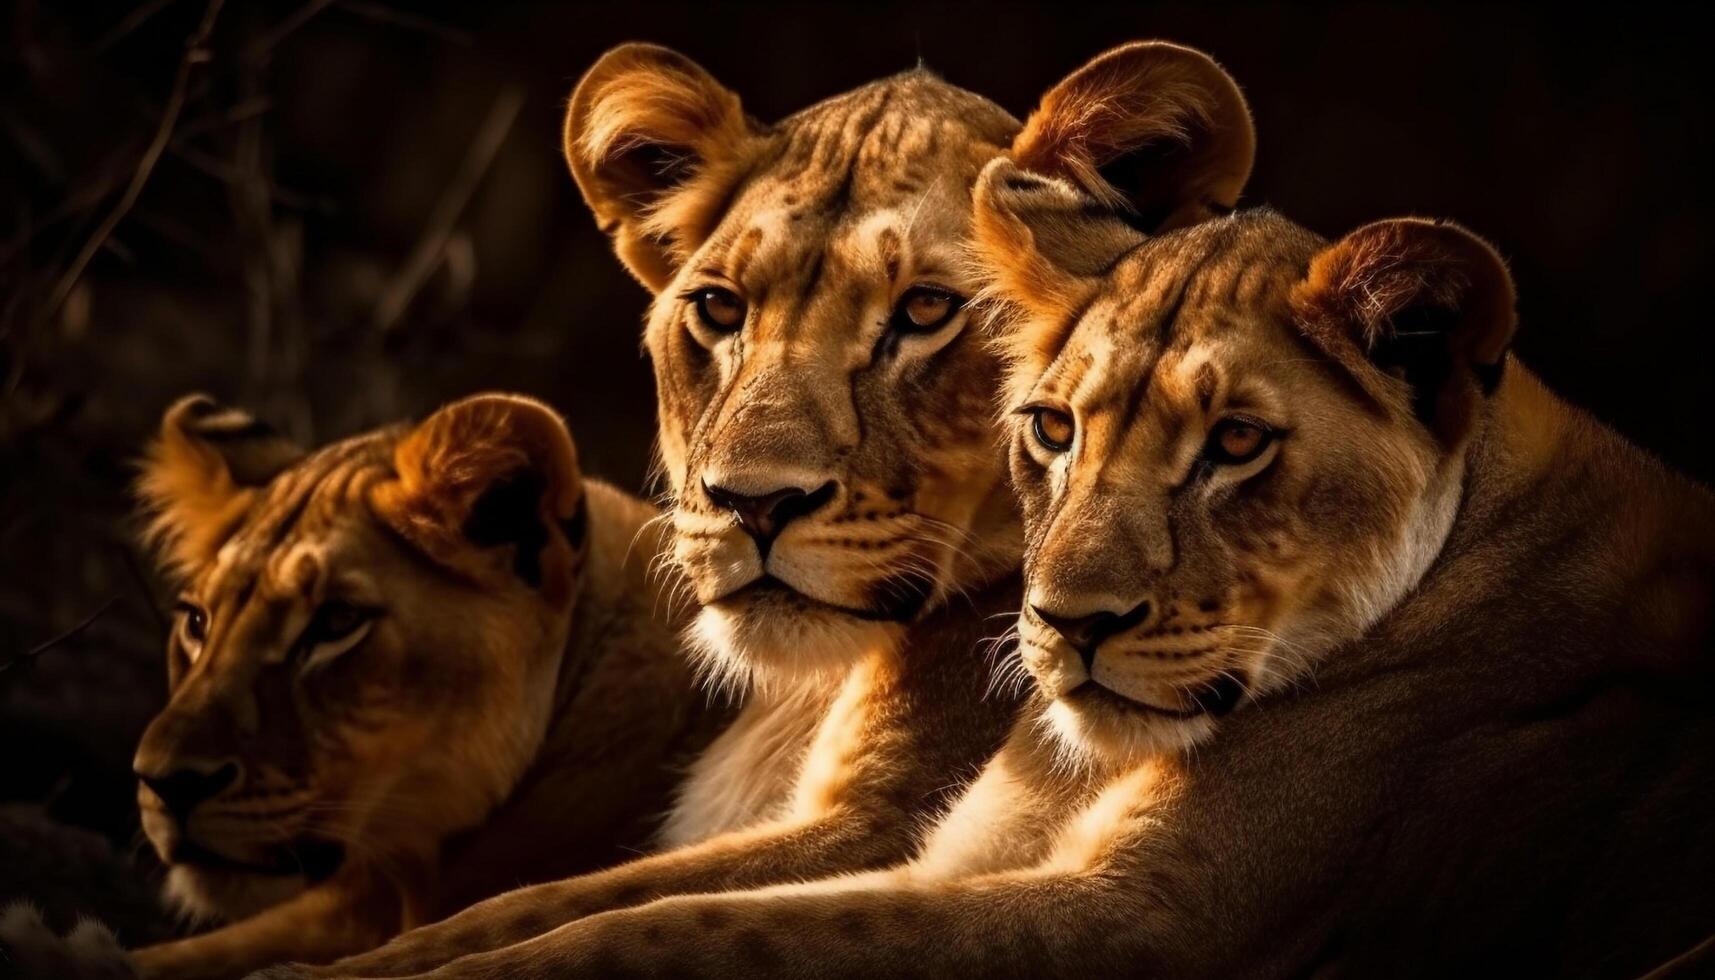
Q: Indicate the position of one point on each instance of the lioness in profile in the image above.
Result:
(839, 503)
(400, 665)
(1241, 450)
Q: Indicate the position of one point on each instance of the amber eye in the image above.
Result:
(720, 309)
(335, 620)
(1234, 442)
(196, 622)
(1053, 429)
(924, 309)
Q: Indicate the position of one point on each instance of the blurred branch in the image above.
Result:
(432, 243)
(33, 146)
(141, 580)
(214, 167)
(217, 120)
(195, 54)
(383, 14)
(264, 45)
(130, 22)
(73, 205)
(271, 252)
(41, 648)
(115, 172)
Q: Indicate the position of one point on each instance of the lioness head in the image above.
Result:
(365, 642)
(825, 414)
(1236, 444)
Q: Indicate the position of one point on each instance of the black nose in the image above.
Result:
(182, 789)
(764, 516)
(1086, 632)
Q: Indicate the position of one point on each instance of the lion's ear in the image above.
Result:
(201, 473)
(1041, 244)
(490, 486)
(1153, 127)
(1425, 302)
(654, 143)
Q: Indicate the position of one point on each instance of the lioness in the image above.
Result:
(839, 503)
(409, 670)
(1241, 450)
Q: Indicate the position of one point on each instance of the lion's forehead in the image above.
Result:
(1191, 284)
(860, 190)
(310, 523)
(1181, 314)
(766, 241)
(886, 141)
(855, 210)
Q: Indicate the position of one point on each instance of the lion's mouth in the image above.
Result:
(312, 858)
(1216, 698)
(770, 593)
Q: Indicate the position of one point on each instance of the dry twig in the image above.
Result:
(41, 648)
(195, 54)
(264, 45)
(432, 243)
(383, 14)
(130, 22)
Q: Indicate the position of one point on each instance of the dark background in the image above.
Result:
(265, 258)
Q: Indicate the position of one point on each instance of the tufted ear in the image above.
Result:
(201, 473)
(1424, 302)
(1041, 244)
(655, 143)
(490, 486)
(1155, 128)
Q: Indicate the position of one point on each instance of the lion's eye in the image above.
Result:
(1234, 442)
(335, 621)
(720, 309)
(925, 309)
(195, 621)
(335, 628)
(1053, 429)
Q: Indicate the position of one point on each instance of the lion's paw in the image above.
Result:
(29, 950)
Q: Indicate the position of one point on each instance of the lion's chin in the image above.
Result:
(205, 895)
(772, 640)
(1094, 728)
(207, 885)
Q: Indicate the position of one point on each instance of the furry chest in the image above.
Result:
(747, 776)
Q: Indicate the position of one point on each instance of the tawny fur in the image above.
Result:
(483, 714)
(1503, 764)
(867, 681)
(1151, 104)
